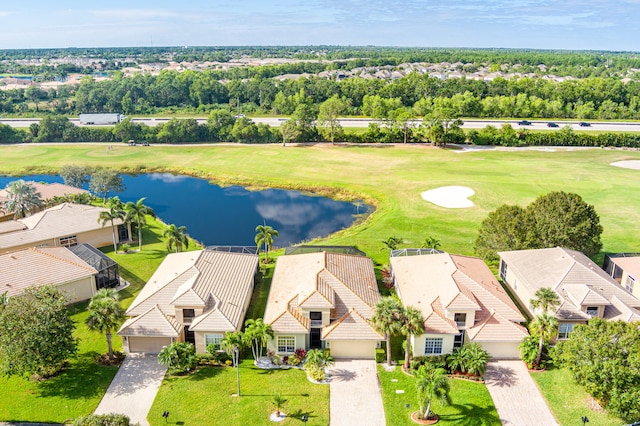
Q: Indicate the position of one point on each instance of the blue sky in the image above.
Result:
(544, 24)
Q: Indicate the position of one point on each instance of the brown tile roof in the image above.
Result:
(152, 323)
(40, 266)
(291, 321)
(55, 222)
(565, 270)
(47, 191)
(352, 326)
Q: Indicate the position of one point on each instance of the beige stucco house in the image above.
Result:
(584, 289)
(195, 297)
(47, 191)
(624, 268)
(57, 266)
(320, 300)
(64, 225)
(461, 301)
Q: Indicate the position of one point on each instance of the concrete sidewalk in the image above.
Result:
(355, 395)
(516, 396)
(134, 388)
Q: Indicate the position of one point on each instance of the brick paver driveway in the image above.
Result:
(355, 396)
(516, 396)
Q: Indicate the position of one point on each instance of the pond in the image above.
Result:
(215, 215)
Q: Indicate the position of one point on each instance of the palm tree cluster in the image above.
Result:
(470, 358)
(265, 236)
(128, 213)
(431, 383)
(22, 199)
(177, 238)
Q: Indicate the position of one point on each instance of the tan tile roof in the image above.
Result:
(291, 321)
(435, 283)
(11, 226)
(630, 265)
(55, 222)
(344, 281)
(352, 326)
(152, 323)
(212, 320)
(619, 311)
(562, 270)
(215, 280)
(496, 328)
(40, 266)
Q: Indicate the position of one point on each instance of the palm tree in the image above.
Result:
(278, 402)
(257, 334)
(475, 359)
(412, 324)
(544, 327)
(265, 235)
(431, 383)
(22, 198)
(105, 314)
(176, 238)
(232, 343)
(138, 212)
(386, 319)
(546, 299)
(115, 212)
(456, 360)
(319, 358)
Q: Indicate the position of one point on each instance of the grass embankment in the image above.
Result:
(569, 401)
(391, 176)
(470, 401)
(204, 397)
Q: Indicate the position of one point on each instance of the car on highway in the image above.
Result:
(584, 124)
(525, 123)
(552, 124)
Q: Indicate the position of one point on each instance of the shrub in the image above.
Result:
(111, 419)
(294, 361)
(315, 372)
(300, 354)
(381, 355)
(285, 360)
(178, 356)
(436, 361)
(228, 363)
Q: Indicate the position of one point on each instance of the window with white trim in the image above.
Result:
(70, 241)
(433, 346)
(564, 330)
(286, 344)
(212, 339)
(592, 311)
(629, 283)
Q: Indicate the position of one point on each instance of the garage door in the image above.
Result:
(152, 345)
(502, 350)
(364, 349)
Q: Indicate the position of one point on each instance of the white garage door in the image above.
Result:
(364, 349)
(502, 350)
(152, 345)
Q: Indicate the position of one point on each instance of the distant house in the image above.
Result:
(194, 297)
(320, 300)
(58, 266)
(461, 301)
(47, 191)
(584, 289)
(64, 225)
(624, 268)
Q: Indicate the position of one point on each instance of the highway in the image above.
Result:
(600, 126)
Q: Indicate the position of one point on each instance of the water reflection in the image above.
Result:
(228, 216)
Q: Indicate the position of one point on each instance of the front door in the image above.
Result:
(315, 342)
(189, 336)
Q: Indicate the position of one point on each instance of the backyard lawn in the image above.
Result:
(205, 397)
(471, 403)
(569, 401)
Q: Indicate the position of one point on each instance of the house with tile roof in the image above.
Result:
(64, 225)
(38, 266)
(47, 191)
(584, 289)
(320, 300)
(195, 297)
(624, 268)
(461, 301)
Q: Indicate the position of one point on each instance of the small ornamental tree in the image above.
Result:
(178, 356)
(431, 383)
(257, 334)
(36, 333)
(105, 314)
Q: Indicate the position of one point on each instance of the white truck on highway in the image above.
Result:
(101, 119)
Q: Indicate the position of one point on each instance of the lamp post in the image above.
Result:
(585, 420)
(304, 418)
(165, 414)
(236, 359)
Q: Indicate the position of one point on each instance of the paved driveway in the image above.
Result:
(516, 396)
(355, 396)
(134, 388)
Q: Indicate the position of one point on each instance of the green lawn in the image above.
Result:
(471, 403)
(569, 401)
(205, 397)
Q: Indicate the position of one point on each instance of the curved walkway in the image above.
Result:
(355, 397)
(134, 388)
(516, 396)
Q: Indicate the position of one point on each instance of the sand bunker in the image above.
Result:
(451, 197)
(628, 164)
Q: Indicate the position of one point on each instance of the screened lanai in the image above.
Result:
(108, 275)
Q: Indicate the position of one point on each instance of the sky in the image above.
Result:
(537, 24)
